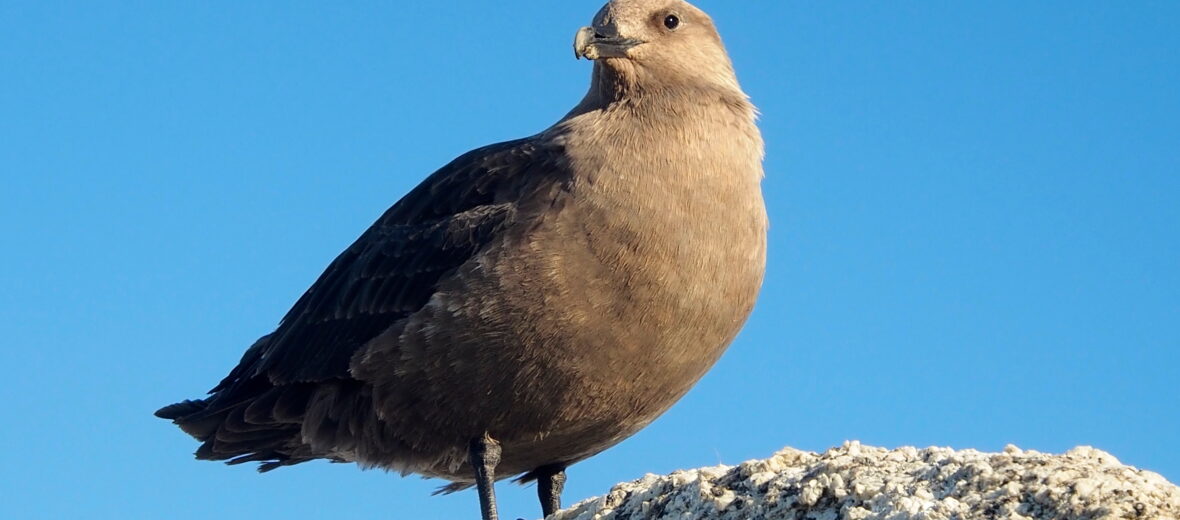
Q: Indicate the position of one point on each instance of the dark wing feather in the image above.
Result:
(396, 265)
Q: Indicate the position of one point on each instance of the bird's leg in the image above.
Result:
(484, 455)
(550, 481)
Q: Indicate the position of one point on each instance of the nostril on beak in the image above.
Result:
(605, 31)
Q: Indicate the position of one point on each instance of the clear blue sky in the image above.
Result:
(975, 227)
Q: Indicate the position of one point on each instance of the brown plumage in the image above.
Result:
(535, 301)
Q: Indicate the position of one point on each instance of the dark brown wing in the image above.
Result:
(394, 267)
(390, 272)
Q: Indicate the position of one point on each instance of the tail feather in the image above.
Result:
(275, 426)
(181, 409)
(193, 417)
(255, 422)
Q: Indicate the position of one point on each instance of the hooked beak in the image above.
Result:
(604, 42)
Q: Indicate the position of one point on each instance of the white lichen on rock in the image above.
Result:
(855, 482)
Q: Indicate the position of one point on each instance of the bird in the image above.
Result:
(532, 302)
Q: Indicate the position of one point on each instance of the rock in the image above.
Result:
(855, 482)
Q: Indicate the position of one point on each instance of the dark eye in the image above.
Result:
(672, 22)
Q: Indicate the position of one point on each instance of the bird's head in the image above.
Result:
(655, 43)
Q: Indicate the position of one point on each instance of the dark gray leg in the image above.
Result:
(484, 455)
(550, 481)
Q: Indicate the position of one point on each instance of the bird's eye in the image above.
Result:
(672, 22)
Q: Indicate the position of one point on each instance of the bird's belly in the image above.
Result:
(627, 323)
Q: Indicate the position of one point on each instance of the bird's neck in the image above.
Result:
(697, 135)
(619, 86)
(696, 148)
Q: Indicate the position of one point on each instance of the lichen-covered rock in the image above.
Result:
(855, 482)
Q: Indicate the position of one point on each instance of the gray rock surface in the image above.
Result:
(855, 482)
